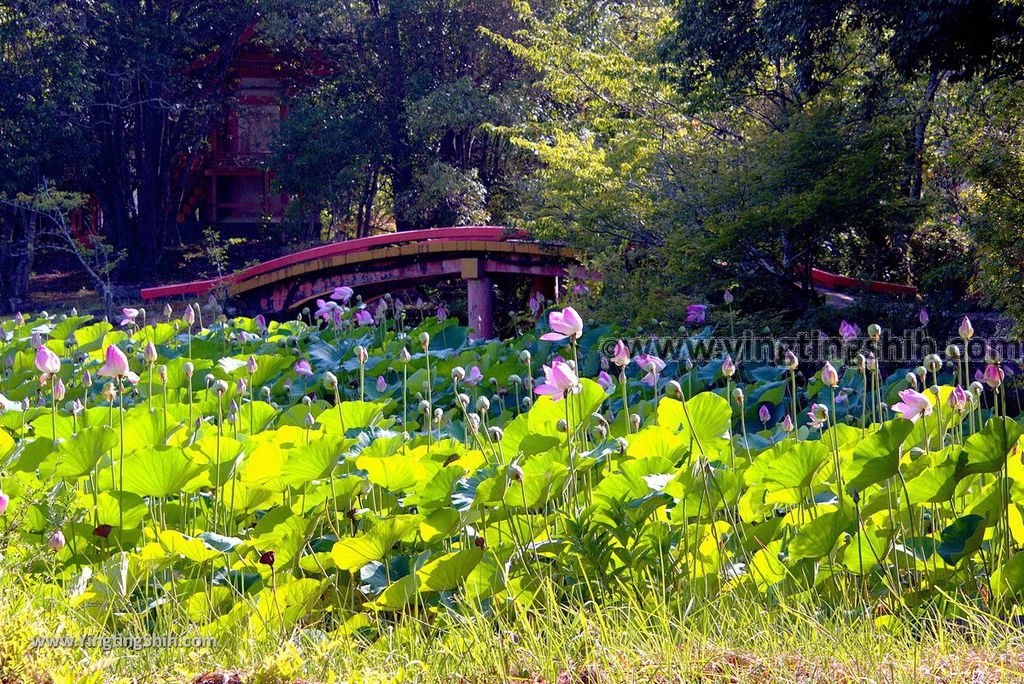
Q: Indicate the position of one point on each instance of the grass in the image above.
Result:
(726, 639)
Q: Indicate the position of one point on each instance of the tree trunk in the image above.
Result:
(17, 247)
(399, 149)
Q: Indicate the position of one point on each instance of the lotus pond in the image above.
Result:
(346, 475)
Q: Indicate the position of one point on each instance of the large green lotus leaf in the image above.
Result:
(314, 461)
(282, 532)
(962, 538)
(191, 548)
(817, 537)
(90, 337)
(867, 548)
(157, 472)
(543, 478)
(656, 441)
(1008, 579)
(397, 596)
(62, 330)
(518, 439)
(66, 426)
(437, 492)
(263, 467)
(986, 451)
(709, 424)
(449, 571)
(935, 484)
(31, 454)
(485, 579)
(985, 501)
(877, 457)
(243, 498)
(440, 524)
(396, 473)
(144, 430)
(110, 506)
(281, 605)
(255, 416)
(78, 456)
(766, 570)
(795, 467)
(205, 451)
(342, 490)
(176, 379)
(358, 415)
(353, 553)
(158, 334)
(7, 444)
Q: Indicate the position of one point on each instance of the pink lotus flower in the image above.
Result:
(303, 368)
(251, 366)
(787, 423)
(4, 502)
(129, 316)
(993, 375)
(261, 323)
(913, 406)
(957, 399)
(764, 414)
(442, 315)
(566, 323)
(363, 317)
(818, 415)
(728, 367)
(604, 380)
(47, 362)
(559, 380)
(150, 353)
(58, 390)
(696, 313)
(116, 365)
(620, 356)
(382, 384)
(652, 365)
(325, 309)
(848, 331)
(474, 376)
(342, 294)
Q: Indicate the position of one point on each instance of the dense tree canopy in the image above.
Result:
(714, 143)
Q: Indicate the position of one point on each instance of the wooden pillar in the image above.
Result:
(480, 300)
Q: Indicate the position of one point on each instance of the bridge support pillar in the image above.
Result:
(480, 300)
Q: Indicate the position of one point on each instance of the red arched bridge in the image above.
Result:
(396, 261)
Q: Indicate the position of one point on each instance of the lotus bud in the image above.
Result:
(674, 389)
(58, 390)
(727, 296)
(307, 401)
(240, 386)
(330, 380)
(458, 373)
(56, 541)
(189, 316)
(728, 367)
(483, 405)
(855, 495)
(737, 395)
(188, 369)
(109, 392)
(993, 376)
(150, 353)
(404, 355)
(635, 420)
(77, 407)
(19, 319)
(251, 366)
(161, 372)
(787, 423)
(764, 414)
(966, 329)
(424, 340)
(829, 375)
(382, 384)
(168, 311)
(266, 392)
(362, 354)
(874, 332)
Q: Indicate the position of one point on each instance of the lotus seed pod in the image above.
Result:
(525, 356)
(932, 362)
(109, 392)
(266, 392)
(307, 401)
(911, 380)
(458, 373)
(474, 422)
(483, 405)
(859, 361)
(515, 379)
(330, 380)
(514, 472)
(210, 379)
(976, 389)
(922, 373)
(562, 426)
(496, 433)
(602, 432)
(635, 420)
(737, 395)
(872, 362)
(479, 542)
(220, 387)
(622, 444)
(424, 340)
(674, 389)
(161, 372)
(527, 402)
(493, 382)
(874, 332)
(792, 363)
(362, 354)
